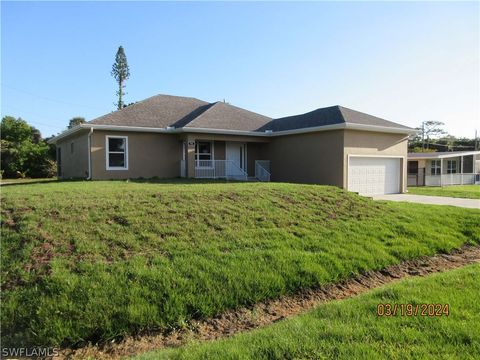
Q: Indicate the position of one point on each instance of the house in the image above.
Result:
(443, 168)
(170, 136)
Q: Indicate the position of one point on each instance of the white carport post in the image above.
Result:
(461, 169)
(441, 171)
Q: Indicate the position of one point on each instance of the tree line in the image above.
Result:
(24, 153)
(432, 137)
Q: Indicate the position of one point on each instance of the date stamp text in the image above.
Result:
(430, 310)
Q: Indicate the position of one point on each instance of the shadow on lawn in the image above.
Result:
(171, 181)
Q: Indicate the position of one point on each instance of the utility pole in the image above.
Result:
(423, 135)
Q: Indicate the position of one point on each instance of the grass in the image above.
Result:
(89, 261)
(351, 329)
(457, 191)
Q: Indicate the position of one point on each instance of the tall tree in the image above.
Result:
(430, 129)
(121, 73)
(76, 121)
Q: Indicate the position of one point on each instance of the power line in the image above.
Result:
(50, 99)
(5, 113)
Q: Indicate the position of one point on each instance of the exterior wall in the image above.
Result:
(314, 158)
(255, 151)
(422, 163)
(149, 155)
(74, 165)
(372, 143)
(318, 157)
(219, 150)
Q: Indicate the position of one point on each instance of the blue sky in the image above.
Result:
(406, 62)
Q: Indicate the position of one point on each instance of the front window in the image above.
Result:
(203, 154)
(435, 167)
(451, 166)
(117, 152)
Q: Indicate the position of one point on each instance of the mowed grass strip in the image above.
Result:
(457, 191)
(89, 261)
(351, 329)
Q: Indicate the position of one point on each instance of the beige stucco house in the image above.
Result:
(170, 136)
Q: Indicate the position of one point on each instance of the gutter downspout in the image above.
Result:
(89, 139)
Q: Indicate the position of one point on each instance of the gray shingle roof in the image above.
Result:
(228, 117)
(328, 116)
(184, 112)
(157, 111)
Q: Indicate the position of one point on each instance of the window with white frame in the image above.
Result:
(435, 167)
(451, 166)
(117, 152)
(203, 154)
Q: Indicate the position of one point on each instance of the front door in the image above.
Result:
(236, 154)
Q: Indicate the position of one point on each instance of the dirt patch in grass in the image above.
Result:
(120, 220)
(264, 313)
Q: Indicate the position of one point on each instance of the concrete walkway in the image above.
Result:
(434, 200)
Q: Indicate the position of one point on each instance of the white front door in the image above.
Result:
(374, 175)
(236, 156)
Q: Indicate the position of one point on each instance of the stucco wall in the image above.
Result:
(74, 164)
(322, 157)
(149, 155)
(219, 150)
(307, 158)
(255, 151)
(373, 143)
(318, 157)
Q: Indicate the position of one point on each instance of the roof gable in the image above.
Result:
(357, 117)
(221, 115)
(319, 117)
(157, 111)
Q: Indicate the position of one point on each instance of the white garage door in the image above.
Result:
(374, 176)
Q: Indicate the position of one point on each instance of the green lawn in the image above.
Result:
(351, 329)
(458, 191)
(93, 260)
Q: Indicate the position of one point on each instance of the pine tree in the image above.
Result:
(121, 73)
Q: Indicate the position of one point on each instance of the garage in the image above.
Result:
(374, 175)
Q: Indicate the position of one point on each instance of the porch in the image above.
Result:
(443, 169)
(225, 159)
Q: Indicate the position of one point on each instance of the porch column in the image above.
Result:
(461, 169)
(441, 172)
(190, 156)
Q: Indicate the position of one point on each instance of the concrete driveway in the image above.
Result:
(433, 200)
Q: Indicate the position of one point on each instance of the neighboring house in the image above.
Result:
(443, 168)
(171, 136)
